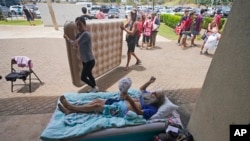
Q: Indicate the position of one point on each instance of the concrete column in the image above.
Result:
(225, 95)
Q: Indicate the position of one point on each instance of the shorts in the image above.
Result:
(131, 45)
(145, 39)
(186, 33)
(195, 32)
(110, 101)
(117, 109)
(29, 19)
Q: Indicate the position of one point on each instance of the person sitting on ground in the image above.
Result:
(147, 105)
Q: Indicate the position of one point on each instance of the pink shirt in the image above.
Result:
(100, 15)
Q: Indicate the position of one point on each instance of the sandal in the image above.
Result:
(193, 45)
(138, 62)
(126, 68)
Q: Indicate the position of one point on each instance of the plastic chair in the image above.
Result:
(21, 61)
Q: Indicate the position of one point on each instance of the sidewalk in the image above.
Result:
(23, 115)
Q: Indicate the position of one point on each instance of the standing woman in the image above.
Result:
(131, 28)
(84, 42)
(211, 29)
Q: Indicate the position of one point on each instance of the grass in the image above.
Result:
(167, 32)
(19, 22)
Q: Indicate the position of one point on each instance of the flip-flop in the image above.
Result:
(126, 68)
(138, 62)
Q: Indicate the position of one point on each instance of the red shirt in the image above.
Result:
(188, 24)
(139, 28)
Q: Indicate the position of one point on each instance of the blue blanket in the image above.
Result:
(63, 126)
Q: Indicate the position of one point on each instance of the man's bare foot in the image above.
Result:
(64, 102)
(63, 109)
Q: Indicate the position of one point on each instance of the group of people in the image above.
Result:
(137, 25)
(98, 15)
(191, 26)
(147, 26)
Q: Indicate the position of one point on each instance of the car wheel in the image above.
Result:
(13, 12)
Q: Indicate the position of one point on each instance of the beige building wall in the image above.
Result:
(225, 96)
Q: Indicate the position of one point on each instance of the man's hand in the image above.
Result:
(65, 36)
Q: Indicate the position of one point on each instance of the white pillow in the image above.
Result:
(164, 110)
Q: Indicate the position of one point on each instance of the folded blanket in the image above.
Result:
(63, 126)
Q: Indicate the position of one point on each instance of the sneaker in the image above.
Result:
(178, 44)
(94, 90)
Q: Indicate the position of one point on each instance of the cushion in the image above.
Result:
(165, 110)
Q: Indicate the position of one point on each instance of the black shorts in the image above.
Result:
(131, 45)
(145, 39)
(110, 101)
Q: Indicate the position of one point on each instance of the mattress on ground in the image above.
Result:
(144, 132)
(88, 127)
(106, 45)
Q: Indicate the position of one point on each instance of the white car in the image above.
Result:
(94, 9)
(166, 11)
(16, 9)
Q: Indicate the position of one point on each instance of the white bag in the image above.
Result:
(211, 41)
(155, 27)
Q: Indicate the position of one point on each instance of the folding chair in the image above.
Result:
(21, 61)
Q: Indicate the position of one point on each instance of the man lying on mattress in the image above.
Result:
(147, 105)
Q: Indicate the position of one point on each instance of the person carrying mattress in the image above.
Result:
(83, 41)
(147, 105)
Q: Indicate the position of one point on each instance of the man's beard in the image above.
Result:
(149, 100)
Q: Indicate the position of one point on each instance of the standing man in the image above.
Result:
(156, 25)
(29, 15)
(187, 29)
(85, 15)
(84, 42)
(182, 22)
(197, 27)
(130, 28)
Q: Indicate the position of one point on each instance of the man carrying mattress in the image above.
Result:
(147, 105)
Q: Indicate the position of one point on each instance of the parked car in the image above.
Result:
(223, 10)
(34, 10)
(112, 14)
(4, 12)
(16, 9)
(94, 9)
(166, 11)
(105, 9)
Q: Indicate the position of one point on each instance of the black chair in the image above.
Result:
(21, 62)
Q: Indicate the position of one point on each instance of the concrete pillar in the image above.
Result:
(225, 95)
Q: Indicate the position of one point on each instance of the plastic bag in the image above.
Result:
(211, 41)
